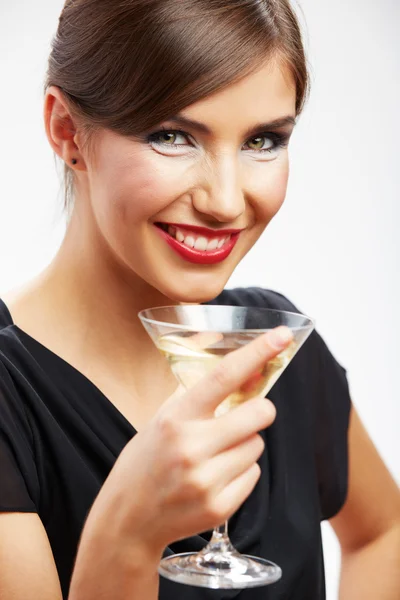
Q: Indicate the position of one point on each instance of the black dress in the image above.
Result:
(60, 436)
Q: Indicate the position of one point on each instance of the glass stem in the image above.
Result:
(221, 531)
(220, 542)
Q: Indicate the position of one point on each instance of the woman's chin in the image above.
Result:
(187, 294)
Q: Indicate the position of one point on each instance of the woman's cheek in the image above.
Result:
(137, 198)
(148, 190)
(271, 190)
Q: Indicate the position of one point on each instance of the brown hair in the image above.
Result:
(127, 65)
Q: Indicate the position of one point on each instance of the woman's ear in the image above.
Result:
(61, 130)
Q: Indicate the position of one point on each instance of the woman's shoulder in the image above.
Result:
(11, 351)
(7, 344)
(5, 316)
(17, 369)
(20, 485)
(14, 421)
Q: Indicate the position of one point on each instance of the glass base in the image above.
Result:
(218, 570)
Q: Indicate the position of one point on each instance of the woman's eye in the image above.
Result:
(262, 142)
(169, 138)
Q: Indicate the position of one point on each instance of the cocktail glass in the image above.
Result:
(194, 338)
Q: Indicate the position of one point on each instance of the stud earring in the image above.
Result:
(74, 161)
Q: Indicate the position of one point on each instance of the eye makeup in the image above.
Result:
(166, 138)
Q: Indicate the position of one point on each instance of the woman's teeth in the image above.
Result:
(197, 242)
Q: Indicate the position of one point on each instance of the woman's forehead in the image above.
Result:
(266, 95)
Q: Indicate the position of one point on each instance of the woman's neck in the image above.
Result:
(86, 304)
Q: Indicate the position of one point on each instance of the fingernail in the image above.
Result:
(280, 337)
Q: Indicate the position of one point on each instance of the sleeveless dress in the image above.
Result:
(60, 437)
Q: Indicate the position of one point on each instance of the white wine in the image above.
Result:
(192, 356)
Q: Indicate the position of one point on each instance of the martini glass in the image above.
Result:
(194, 339)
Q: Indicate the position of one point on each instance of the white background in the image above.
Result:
(334, 249)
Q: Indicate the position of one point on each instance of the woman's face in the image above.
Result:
(220, 165)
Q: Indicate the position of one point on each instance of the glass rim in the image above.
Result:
(262, 330)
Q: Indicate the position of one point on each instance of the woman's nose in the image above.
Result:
(221, 194)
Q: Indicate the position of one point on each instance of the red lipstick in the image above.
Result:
(201, 257)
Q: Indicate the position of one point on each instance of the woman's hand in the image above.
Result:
(188, 471)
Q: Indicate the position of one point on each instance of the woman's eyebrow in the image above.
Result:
(277, 123)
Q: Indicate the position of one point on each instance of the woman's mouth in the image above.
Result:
(199, 245)
(193, 240)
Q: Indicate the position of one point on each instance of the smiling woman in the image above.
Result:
(173, 119)
(196, 130)
(224, 172)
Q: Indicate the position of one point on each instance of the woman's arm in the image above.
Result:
(27, 568)
(368, 526)
(105, 569)
(110, 563)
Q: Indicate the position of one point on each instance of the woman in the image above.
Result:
(173, 118)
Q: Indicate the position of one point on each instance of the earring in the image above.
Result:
(74, 161)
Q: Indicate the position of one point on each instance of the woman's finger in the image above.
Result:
(231, 429)
(221, 470)
(233, 495)
(230, 374)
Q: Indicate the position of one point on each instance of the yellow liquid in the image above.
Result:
(193, 356)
